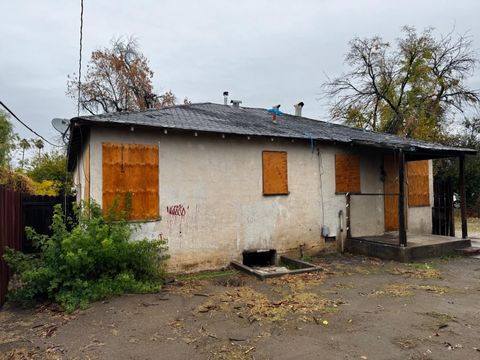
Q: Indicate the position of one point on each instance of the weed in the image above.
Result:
(442, 317)
(207, 275)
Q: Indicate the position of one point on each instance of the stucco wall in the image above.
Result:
(219, 184)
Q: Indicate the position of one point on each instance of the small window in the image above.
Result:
(131, 169)
(418, 183)
(347, 173)
(275, 173)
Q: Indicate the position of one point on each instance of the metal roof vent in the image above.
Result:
(225, 98)
(298, 108)
(236, 103)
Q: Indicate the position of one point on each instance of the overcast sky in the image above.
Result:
(262, 52)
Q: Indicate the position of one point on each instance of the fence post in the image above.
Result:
(11, 231)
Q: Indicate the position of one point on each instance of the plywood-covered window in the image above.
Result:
(347, 173)
(131, 169)
(275, 173)
(418, 181)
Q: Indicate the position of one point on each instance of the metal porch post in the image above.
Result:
(463, 196)
(347, 215)
(402, 233)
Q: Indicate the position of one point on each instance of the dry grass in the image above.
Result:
(252, 305)
(233, 352)
(404, 289)
(418, 272)
(300, 281)
(406, 342)
(442, 317)
(472, 222)
(186, 288)
(51, 353)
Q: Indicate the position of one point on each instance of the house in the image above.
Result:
(217, 180)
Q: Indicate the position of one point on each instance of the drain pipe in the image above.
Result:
(340, 232)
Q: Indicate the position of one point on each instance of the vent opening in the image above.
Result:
(259, 257)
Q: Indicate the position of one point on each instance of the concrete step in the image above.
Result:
(469, 251)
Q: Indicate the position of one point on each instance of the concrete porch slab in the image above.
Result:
(418, 247)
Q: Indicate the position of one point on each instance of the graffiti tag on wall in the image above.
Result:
(177, 210)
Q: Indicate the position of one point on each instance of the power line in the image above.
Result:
(80, 58)
(28, 127)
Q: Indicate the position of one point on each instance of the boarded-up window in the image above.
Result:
(131, 168)
(275, 173)
(418, 183)
(347, 173)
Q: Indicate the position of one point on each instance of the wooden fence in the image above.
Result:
(38, 214)
(11, 232)
(18, 211)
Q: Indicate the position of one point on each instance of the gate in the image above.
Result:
(18, 211)
(38, 212)
(11, 232)
(442, 211)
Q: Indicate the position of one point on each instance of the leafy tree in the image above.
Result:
(16, 181)
(410, 89)
(38, 143)
(7, 140)
(447, 169)
(48, 188)
(118, 79)
(24, 144)
(51, 167)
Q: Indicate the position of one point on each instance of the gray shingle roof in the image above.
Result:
(209, 117)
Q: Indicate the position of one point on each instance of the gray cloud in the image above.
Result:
(263, 52)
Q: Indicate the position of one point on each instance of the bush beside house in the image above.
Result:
(91, 262)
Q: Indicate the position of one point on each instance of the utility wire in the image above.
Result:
(28, 127)
(80, 58)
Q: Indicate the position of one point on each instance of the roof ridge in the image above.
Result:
(142, 110)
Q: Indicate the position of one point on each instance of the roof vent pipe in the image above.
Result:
(298, 108)
(225, 98)
(235, 104)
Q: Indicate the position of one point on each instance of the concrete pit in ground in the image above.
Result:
(267, 263)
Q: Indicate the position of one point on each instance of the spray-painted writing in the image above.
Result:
(176, 210)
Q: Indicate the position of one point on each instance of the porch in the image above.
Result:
(396, 241)
(419, 246)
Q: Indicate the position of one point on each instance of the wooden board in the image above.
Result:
(347, 173)
(131, 168)
(391, 186)
(418, 183)
(275, 172)
(86, 164)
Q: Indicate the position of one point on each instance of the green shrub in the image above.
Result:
(91, 262)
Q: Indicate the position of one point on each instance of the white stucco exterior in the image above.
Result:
(218, 182)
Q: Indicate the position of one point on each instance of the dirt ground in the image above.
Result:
(356, 308)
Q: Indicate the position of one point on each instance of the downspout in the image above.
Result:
(340, 233)
(324, 229)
